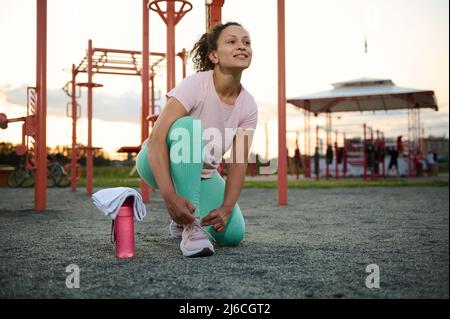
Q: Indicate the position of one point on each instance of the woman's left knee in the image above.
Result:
(234, 235)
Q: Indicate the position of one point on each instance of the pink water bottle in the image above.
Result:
(124, 230)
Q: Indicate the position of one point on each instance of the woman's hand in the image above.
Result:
(218, 218)
(181, 210)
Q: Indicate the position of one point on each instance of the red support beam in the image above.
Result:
(372, 170)
(344, 158)
(170, 45)
(318, 154)
(107, 50)
(40, 187)
(384, 155)
(378, 152)
(365, 153)
(213, 13)
(282, 153)
(171, 17)
(73, 156)
(182, 55)
(145, 191)
(152, 79)
(336, 164)
(89, 155)
(328, 143)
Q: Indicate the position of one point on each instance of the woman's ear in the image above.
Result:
(213, 57)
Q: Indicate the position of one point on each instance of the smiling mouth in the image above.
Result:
(241, 56)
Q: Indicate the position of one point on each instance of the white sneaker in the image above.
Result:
(175, 230)
(195, 242)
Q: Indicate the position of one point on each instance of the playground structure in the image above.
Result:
(349, 156)
(110, 62)
(367, 95)
(27, 148)
(171, 15)
(333, 154)
(34, 126)
(124, 62)
(410, 99)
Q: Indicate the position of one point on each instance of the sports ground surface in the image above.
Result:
(318, 246)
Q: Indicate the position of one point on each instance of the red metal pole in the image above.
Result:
(384, 149)
(40, 188)
(378, 146)
(73, 156)
(410, 166)
(372, 171)
(317, 148)
(344, 158)
(213, 13)
(183, 57)
(89, 157)
(308, 149)
(109, 50)
(309, 143)
(152, 79)
(304, 158)
(145, 192)
(364, 156)
(336, 166)
(170, 45)
(282, 169)
(23, 133)
(328, 139)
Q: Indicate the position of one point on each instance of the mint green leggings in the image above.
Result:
(204, 194)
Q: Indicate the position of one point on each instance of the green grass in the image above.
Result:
(347, 183)
(120, 176)
(443, 167)
(105, 176)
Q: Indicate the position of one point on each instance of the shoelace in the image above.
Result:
(194, 227)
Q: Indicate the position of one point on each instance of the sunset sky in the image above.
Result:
(407, 42)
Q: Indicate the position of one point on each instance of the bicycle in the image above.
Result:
(23, 175)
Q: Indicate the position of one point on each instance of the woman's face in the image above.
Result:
(234, 49)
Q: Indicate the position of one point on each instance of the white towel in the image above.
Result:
(110, 200)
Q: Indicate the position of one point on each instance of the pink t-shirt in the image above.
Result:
(198, 95)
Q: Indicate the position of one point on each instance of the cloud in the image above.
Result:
(125, 107)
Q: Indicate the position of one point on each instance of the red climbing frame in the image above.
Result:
(213, 8)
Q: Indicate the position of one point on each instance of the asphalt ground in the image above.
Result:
(318, 246)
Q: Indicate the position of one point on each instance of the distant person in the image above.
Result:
(194, 193)
(316, 161)
(400, 146)
(393, 161)
(419, 162)
(380, 153)
(297, 161)
(329, 155)
(431, 163)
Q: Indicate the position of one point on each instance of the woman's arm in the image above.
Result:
(235, 180)
(180, 209)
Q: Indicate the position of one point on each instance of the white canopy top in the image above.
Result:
(365, 95)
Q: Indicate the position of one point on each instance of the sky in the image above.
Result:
(407, 42)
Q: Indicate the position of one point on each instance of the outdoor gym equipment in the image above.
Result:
(333, 153)
(213, 12)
